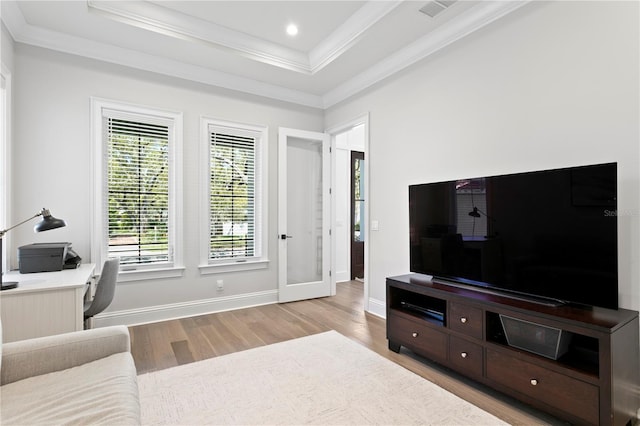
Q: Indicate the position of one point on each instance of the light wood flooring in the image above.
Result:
(166, 344)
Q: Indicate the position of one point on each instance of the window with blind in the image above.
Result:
(470, 194)
(233, 192)
(138, 190)
(136, 175)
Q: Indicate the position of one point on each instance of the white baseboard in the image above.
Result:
(185, 309)
(377, 307)
(202, 307)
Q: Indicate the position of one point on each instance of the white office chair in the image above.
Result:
(105, 290)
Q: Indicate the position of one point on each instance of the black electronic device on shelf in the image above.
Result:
(429, 313)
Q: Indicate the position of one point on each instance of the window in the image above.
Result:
(137, 170)
(471, 199)
(233, 177)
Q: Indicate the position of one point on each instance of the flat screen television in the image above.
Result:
(550, 235)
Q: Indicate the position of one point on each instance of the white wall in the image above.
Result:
(52, 158)
(554, 84)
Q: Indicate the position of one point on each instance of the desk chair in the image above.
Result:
(105, 289)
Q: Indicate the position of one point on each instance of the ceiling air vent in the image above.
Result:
(434, 7)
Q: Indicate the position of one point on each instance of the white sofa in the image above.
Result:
(84, 377)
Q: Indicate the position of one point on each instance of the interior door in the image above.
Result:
(304, 202)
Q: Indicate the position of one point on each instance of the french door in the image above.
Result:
(304, 214)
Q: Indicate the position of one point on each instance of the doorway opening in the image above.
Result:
(349, 143)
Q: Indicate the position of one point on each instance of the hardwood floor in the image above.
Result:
(166, 344)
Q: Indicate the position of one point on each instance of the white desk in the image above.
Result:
(44, 303)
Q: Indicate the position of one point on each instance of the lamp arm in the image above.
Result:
(484, 214)
(40, 213)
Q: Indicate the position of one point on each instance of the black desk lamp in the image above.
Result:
(48, 222)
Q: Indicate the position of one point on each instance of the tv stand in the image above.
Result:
(593, 380)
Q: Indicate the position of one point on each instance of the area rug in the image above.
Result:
(322, 379)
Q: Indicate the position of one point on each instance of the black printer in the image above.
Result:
(46, 257)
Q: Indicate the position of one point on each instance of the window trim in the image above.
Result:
(99, 250)
(5, 163)
(207, 266)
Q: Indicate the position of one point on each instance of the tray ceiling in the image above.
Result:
(342, 47)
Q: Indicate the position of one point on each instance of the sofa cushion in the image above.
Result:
(99, 392)
(42, 355)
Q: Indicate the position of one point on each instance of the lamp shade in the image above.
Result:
(48, 222)
(475, 212)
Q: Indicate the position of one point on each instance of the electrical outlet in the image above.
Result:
(220, 285)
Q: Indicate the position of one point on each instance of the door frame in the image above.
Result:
(333, 131)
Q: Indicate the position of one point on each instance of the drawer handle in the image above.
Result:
(414, 334)
(463, 354)
(463, 320)
(534, 382)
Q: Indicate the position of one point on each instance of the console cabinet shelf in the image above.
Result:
(590, 375)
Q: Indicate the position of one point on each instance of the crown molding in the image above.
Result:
(473, 19)
(172, 23)
(23, 32)
(463, 25)
(12, 17)
(345, 36)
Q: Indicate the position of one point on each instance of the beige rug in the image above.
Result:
(321, 379)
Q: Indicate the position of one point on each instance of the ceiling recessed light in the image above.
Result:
(292, 29)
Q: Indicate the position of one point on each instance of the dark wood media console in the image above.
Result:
(595, 381)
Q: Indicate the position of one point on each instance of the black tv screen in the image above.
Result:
(550, 233)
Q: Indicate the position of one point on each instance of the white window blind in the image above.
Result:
(138, 189)
(233, 199)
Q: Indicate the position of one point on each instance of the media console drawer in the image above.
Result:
(466, 319)
(418, 336)
(569, 394)
(465, 356)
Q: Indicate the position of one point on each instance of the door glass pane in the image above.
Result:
(358, 204)
(304, 211)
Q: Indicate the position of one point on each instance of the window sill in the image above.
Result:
(219, 268)
(150, 274)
